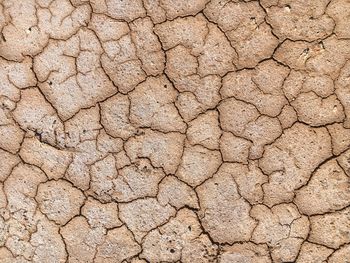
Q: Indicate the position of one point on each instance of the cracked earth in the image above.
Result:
(201, 131)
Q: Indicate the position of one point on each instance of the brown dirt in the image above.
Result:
(138, 131)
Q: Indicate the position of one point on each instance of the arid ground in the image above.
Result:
(184, 131)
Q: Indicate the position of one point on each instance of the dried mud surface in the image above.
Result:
(142, 131)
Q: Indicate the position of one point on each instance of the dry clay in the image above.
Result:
(138, 131)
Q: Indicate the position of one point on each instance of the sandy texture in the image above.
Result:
(199, 131)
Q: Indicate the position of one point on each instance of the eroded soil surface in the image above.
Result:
(174, 131)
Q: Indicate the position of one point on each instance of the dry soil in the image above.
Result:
(194, 131)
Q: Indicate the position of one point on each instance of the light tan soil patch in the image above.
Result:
(144, 131)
